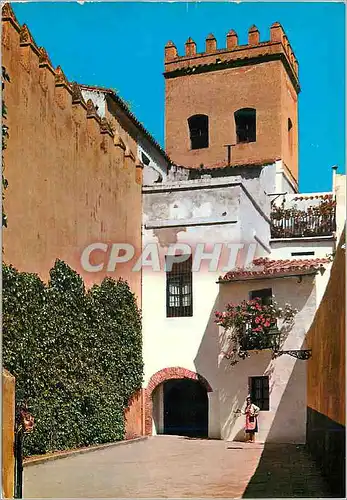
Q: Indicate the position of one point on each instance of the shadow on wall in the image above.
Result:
(286, 471)
(286, 420)
(291, 410)
(206, 363)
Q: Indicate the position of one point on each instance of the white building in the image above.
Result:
(223, 210)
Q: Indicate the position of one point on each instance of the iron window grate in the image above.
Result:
(179, 289)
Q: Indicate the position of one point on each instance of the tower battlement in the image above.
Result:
(233, 54)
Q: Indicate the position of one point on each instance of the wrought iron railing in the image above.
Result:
(304, 223)
(253, 341)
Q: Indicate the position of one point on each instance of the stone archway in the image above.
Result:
(162, 376)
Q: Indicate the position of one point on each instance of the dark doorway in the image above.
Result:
(185, 408)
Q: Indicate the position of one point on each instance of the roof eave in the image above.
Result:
(291, 274)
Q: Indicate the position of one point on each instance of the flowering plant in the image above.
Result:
(314, 219)
(248, 326)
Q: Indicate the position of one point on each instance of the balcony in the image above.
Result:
(252, 341)
(315, 219)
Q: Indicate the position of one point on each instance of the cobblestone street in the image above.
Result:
(172, 467)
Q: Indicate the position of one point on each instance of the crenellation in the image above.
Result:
(91, 111)
(211, 44)
(190, 47)
(118, 141)
(170, 51)
(44, 60)
(26, 39)
(77, 97)
(277, 47)
(61, 80)
(105, 127)
(129, 154)
(253, 35)
(232, 40)
(9, 15)
(276, 32)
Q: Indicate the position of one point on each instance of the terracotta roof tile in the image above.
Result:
(265, 267)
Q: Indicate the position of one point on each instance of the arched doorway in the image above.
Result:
(185, 408)
(154, 394)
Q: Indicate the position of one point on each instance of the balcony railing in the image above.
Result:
(314, 221)
(258, 341)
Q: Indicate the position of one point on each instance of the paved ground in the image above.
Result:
(174, 467)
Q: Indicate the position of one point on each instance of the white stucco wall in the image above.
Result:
(283, 248)
(211, 210)
(286, 420)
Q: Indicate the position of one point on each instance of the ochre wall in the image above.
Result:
(326, 432)
(326, 338)
(8, 415)
(70, 184)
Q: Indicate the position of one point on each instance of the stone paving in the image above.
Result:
(177, 467)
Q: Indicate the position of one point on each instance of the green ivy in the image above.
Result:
(76, 355)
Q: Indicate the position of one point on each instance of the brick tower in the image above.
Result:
(242, 95)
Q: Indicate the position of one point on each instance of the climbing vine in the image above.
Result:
(76, 355)
(5, 78)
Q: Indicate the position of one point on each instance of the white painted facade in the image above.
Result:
(232, 209)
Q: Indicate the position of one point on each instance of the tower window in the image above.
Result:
(198, 129)
(179, 293)
(245, 121)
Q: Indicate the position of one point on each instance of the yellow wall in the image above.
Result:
(70, 185)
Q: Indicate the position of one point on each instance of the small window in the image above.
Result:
(259, 391)
(245, 121)
(301, 254)
(198, 129)
(179, 294)
(265, 295)
(290, 134)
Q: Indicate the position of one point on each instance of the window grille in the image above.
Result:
(179, 291)
(259, 391)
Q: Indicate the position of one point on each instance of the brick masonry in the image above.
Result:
(160, 377)
(218, 82)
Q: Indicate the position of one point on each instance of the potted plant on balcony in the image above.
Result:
(249, 326)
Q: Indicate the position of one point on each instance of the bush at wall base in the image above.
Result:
(76, 355)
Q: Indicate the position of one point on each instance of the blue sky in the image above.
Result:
(121, 45)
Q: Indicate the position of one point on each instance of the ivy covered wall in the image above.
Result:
(76, 355)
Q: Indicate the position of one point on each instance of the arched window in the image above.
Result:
(198, 129)
(245, 121)
(290, 134)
